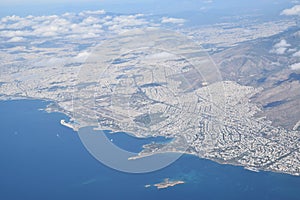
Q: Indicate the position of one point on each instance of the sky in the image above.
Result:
(38, 7)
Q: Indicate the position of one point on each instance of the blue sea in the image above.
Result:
(41, 159)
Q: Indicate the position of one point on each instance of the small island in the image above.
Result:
(167, 183)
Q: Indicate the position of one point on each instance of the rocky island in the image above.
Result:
(166, 183)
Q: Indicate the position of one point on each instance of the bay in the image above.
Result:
(41, 159)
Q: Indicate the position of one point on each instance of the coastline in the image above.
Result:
(68, 125)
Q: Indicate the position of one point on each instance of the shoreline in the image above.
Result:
(68, 125)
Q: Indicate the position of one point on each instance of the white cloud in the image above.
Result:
(172, 20)
(82, 56)
(72, 26)
(46, 31)
(292, 50)
(291, 11)
(160, 56)
(10, 18)
(295, 66)
(15, 33)
(52, 26)
(297, 34)
(297, 54)
(280, 50)
(92, 12)
(86, 25)
(90, 20)
(89, 35)
(46, 18)
(281, 47)
(120, 23)
(282, 43)
(130, 20)
(16, 39)
(21, 23)
(49, 62)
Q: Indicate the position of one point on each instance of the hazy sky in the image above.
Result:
(37, 7)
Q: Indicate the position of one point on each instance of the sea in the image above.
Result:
(41, 159)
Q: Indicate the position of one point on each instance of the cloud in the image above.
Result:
(13, 33)
(282, 43)
(172, 20)
(292, 11)
(53, 61)
(280, 51)
(120, 23)
(16, 22)
(10, 18)
(92, 12)
(71, 26)
(16, 39)
(281, 47)
(160, 56)
(292, 50)
(297, 54)
(81, 57)
(295, 66)
(297, 34)
(68, 25)
(90, 20)
(130, 20)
